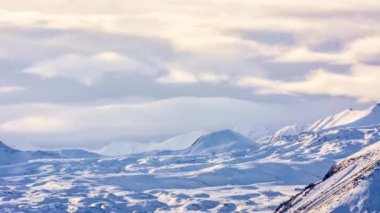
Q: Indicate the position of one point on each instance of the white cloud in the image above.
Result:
(110, 57)
(304, 54)
(198, 41)
(151, 118)
(70, 124)
(177, 76)
(361, 83)
(86, 69)
(10, 89)
(363, 49)
(357, 51)
(35, 124)
(190, 27)
(184, 77)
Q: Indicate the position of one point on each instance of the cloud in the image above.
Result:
(72, 57)
(189, 27)
(149, 117)
(184, 77)
(10, 89)
(35, 124)
(191, 31)
(361, 83)
(56, 125)
(52, 123)
(86, 69)
(361, 50)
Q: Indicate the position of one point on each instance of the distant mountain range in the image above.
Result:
(336, 157)
(9, 155)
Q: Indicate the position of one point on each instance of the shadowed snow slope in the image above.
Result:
(179, 142)
(352, 185)
(9, 155)
(121, 148)
(288, 131)
(223, 171)
(124, 148)
(241, 176)
(253, 131)
(348, 118)
(219, 142)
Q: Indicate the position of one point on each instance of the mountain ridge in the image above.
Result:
(9, 155)
(219, 142)
(351, 185)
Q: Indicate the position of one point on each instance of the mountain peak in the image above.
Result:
(4, 146)
(349, 118)
(376, 108)
(220, 141)
(218, 136)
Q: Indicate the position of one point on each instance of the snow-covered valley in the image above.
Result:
(222, 171)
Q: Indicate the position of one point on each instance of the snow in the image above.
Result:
(253, 131)
(352, 185)
(221, 171)
(179, 142)
(128, 147)
(348, 118)
(9, 155)
(120, 148)
(219, 142)
(141, 183)
(288, 131)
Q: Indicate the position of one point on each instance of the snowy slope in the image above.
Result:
(180, 141)
(124, 148)
(242, 176)
(222, 171)
(352, 185)
(75, 153)
(348, 118)
(253, 131)
(220, 142)
(332, 144)
(287, 131)
(121, 148)
(190, 143)
(9, 155)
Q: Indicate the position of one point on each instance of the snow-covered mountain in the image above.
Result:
(220, 142)
(287, 131)
(222, 171)
(345, 119)
(121, 148)
(348, 118)
(253, 131)
(190, 143)
(9, 155)
(179, 142)
(352, 185)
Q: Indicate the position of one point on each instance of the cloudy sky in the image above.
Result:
(89, 72)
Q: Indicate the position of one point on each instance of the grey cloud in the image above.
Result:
(270, 37)
(241, 42)
(91, 125)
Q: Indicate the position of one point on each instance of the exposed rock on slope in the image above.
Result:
(352, 185)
